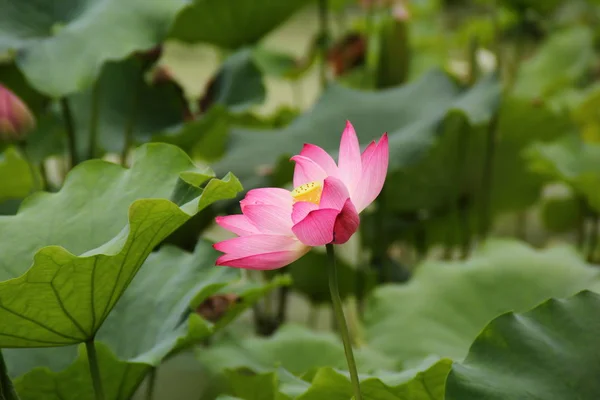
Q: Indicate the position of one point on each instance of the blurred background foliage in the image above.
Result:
(491, 203)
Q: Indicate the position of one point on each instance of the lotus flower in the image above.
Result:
(277, 226)
(15, 118)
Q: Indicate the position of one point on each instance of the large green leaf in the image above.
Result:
(151, 321)
(79, 249)
(411, 114)
(558, 64)
(446, 304)
(231, 23)
(293, 347)
(551, 353)
(62, 47)
(17, 179)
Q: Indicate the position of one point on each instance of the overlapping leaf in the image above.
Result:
(550, 352)
(294, 348)
(231, 23)
(80, 248)
(443, 308)
(153, 319)
(424, 383)
(411, 114)
(87, 33)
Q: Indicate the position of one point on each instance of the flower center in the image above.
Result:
(310, 192)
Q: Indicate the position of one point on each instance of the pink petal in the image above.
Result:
(368, 152)
(238, 224)
(301, 209)
(306, 170)
(346, 223)
(252, 245)
(321, 157)
(265, 261)
(269, 219)
(374, 170)
(317, 228)
(334, 194)
(350, 164)
(268, 196)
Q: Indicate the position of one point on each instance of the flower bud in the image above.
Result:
(16, 120)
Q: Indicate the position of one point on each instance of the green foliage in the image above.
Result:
(410, 114)
(294, 348)
(118, 258)
(17, 179)
(572, 161)
(154, 319)
(445, 305)
(83, 261)
(127, 105)
(561, 214)
(7, 390)
(328, 383)
(231, 23)
(238, 83)
(49, 37)
(120, 378)
(309, 275)
(558, 64)
(550, 352)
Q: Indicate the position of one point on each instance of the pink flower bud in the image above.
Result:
(16, 120)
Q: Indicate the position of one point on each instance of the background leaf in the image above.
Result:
(550, 352)
(411, 123)
(231, 23)
(441, 310)
(48, 34)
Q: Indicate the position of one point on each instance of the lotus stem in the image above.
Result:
(94, 369)
(70, 129)
(338, 310)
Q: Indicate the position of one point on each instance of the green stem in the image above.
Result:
(485, 215)
(151, 384)
(129, 127)
(282, 302)
(7, 390)
(94, 115)
(94, 369)
(583, 213)
(593, 237)
(324, 39)
(341, 320)
(70, 128)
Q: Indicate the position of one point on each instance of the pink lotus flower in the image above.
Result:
(277, 226)
(15, 118)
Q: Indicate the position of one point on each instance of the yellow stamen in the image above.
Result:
(310, 192)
